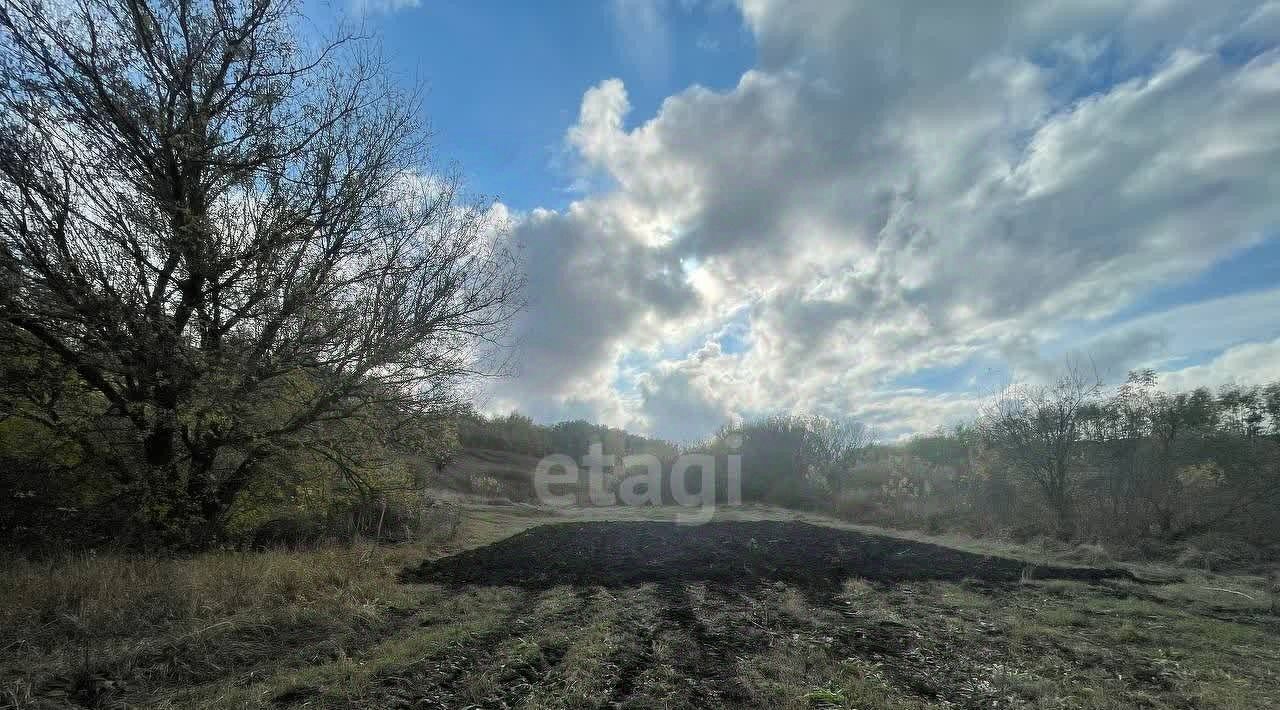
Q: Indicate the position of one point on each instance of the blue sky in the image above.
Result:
(1255, 267)
(869, 210)
(504, 79)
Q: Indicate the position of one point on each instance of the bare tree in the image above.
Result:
(1037, 429)
(231, 238)
(840, 445)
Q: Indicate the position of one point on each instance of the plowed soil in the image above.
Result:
(785, 614)
(727, 614)
(742, 555)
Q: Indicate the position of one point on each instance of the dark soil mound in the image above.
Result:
(739, 554)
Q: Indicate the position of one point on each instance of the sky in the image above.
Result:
(865, 210)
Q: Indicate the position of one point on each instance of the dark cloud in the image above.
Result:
(590, 284)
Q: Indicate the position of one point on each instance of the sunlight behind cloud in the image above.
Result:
(890, 188)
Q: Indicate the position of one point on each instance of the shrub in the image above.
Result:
(1216, 552)
(378, 520)
(1093, 555)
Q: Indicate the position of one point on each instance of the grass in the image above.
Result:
(334, 628)
(159, 623)
(71, 626)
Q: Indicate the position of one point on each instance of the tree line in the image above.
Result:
(518, 433)
(1074, 459)
(1138, 461)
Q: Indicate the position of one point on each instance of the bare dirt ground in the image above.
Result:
(695, 612)
(530, 609)
(738, 554)
(642, 614)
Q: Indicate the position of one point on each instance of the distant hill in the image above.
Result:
(489, 474)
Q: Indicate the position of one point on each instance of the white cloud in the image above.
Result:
(1210, 325)
(1251, 364)
(892, 189)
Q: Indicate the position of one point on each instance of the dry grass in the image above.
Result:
(105, 596)
(335, 627)
(91, 628)
(94, 628)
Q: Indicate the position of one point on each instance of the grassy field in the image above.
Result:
(335, 628)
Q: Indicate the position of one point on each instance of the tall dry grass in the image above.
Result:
(87, 627)
(103, 596)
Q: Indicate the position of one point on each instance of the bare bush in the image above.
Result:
(1037, 430)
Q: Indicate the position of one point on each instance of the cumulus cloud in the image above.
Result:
(595, 288)
(894, 188)
(683, 399)
(1250, 364)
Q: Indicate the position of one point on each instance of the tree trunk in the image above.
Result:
(1065, 513)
